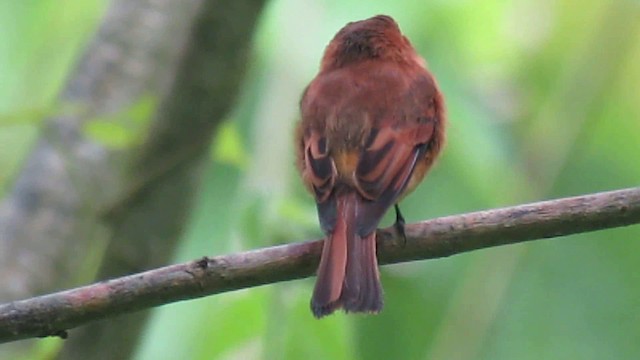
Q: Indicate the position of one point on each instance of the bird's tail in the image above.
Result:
(348, 274)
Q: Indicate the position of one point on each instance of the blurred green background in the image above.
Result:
(543, 100)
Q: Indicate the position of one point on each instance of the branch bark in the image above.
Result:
(54, 314)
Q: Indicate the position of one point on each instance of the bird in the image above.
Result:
(372, 123)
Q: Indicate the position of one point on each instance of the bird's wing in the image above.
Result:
(386, 165)
(319, 168)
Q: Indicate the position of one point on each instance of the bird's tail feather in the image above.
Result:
(348, 275)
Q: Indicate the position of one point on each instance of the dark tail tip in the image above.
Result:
(370, 302)
(368, 299)
(320, 310)
(361, 295)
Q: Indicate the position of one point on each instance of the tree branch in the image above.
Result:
(52, 315)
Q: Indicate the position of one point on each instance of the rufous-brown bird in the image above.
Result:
(372, 124)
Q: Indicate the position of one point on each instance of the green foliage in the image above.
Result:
(543, 103)
(124, 128)
(228, 147)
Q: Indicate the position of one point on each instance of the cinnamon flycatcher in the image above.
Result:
(373, 122)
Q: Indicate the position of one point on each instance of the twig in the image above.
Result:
(53, 314)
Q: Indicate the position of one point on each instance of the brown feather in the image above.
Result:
(333, 263)
(372, 125)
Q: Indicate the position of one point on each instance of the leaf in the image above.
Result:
(228, 147)
(123, 128)
(111, 134)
